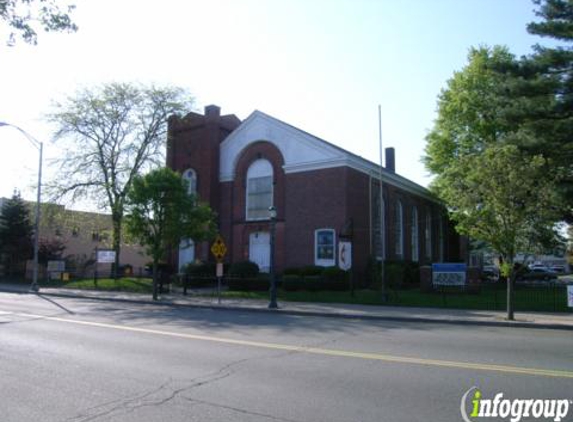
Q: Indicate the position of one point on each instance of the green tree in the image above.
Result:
(161, 213)
(24, 17)
(470, 110)
(16, 233)
(501, 196)
(539, 92)
(111, 134)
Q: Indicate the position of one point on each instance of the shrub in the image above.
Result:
(292, 282)
(206, 269)
(292, 271)
(312, 283)
(244, 284)
(334, 278)
(311, 270)
(244, 269)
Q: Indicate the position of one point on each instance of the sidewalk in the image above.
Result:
(559, 321)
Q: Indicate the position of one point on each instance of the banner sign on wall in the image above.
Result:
(106, 256)
(345, 255)
(449, 274)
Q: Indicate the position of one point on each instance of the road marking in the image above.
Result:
(317, 350)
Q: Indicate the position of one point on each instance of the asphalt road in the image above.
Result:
(81, 360)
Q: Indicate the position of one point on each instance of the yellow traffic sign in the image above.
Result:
(218, 249)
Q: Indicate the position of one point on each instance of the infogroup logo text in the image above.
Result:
(513, 409)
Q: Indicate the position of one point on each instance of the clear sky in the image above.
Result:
(320, 65)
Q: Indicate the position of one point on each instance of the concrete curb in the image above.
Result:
(298, 312)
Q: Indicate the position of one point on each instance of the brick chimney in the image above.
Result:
(390, 159)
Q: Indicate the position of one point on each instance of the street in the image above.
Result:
(64, 359)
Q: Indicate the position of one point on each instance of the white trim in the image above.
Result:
(325, 262)
(301, 152)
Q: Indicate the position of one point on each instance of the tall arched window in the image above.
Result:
(191, 177)
(429, 234)
(414, 234)
(259, 193)
(399, 230)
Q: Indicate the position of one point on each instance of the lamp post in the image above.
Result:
(273, 217)
(40, 146)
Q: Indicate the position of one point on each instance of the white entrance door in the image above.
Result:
(260, 250)
(186, 253)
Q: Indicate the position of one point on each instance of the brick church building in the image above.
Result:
(321, 193)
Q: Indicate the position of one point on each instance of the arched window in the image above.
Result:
(429, 234)
(399, 229)
(191, 177)
(259, 190)
(415, 245)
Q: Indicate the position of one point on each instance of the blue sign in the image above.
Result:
(449, 274)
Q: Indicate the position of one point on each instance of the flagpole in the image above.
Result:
(382, 213)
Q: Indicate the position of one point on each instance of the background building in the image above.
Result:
(321, 193)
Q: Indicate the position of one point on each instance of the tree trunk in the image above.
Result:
(155, 275)
(510, 285)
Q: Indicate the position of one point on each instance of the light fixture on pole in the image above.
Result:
(40, 146)
(273, 217)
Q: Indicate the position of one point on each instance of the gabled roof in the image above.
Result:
(302, 152)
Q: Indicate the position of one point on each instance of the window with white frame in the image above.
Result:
(399, 229)
(414, 234)
(191, 177)
(428, 234)
(259, 190)
(324, 247)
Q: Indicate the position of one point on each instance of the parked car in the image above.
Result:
(537, 273)
(558, 269)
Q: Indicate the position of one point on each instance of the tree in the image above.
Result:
(539, 92)
(113, 133)
(15, 235)
(161, 213)
(470, 110)
(24, 17)
(50, 249)
(476, 149)
(501, 196)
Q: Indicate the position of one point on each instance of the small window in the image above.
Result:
(191, 177)
(259, 190)
(95, 236)
(324, 245)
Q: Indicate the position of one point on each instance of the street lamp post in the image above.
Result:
(40, 146)
(273, 217)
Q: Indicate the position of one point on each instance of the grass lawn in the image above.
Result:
(124, 284)
(531, 298)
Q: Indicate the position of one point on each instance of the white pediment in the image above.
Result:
(300, 150)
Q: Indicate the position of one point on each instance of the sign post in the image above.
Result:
(219, 250)
(345, 261)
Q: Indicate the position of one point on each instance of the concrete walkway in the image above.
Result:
(561, 321)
